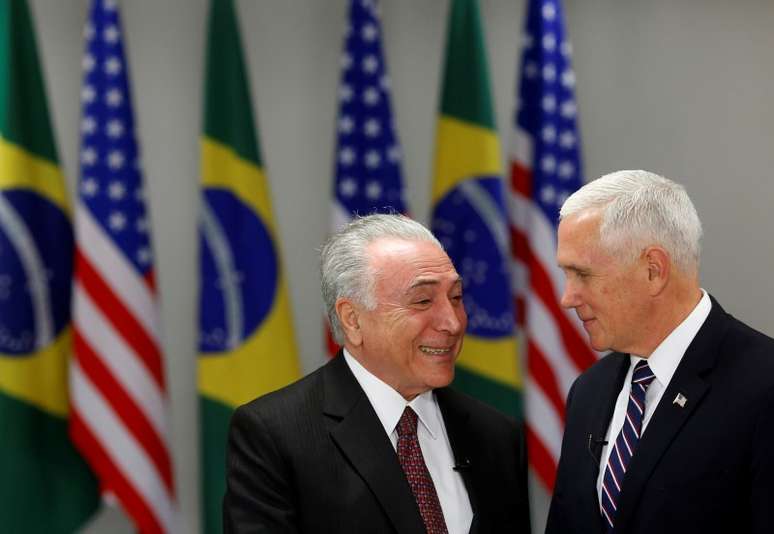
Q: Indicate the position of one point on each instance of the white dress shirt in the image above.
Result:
(431, 432)
(663, 362)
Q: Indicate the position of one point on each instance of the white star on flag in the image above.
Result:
(144, 255)
(568, 109)
(345, 93)
(567, 139)
(346, 124)
(89, 187)
(548, 164)
(548, 134)
(87, 94)
(372, 127)
(566, 169)
(115, 159)
(114, 97)
(347, 156)
(549, 12)
(115, 128)
(369, 32)
(373, 190)
(370, 64)
(549, 42)
(141, 225)
(117, 221)
(88, 125)
(373, 159)
(113, 66)
(110, 34)
(348, 187)
(371, 96)
(549, 72)
(87, 63)
(116, 190)
(549, 103)
(88, 156)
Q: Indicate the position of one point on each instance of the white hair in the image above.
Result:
(640, 208)
(345, 264)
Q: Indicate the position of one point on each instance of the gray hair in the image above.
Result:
(345, 266)
(641, 208)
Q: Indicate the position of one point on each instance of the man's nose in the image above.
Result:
(569, 296)
(450, 317)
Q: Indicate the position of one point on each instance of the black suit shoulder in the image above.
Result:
(483, 414)
(705, 466)
(272, 439)
(301, 388)
(743, 341)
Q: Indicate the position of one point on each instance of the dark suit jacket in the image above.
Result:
(313, 457)
(704, 468)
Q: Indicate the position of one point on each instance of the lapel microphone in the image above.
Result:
(462, 465)
(592, 445)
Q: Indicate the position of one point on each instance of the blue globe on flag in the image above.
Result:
(469, 222)
(36, 244)
(239, 272)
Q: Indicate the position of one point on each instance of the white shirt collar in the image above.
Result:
(667, 356)
(389, 404)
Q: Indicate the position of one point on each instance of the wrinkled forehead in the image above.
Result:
(400, 264)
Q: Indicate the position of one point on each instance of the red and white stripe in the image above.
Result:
(118, 394)
(555, 344)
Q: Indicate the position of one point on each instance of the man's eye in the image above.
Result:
(423, 301)
(580, 275)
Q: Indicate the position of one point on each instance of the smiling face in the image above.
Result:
(413, 336)
(610, 297)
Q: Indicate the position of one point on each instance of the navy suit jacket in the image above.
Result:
(314, 458)
(706, 467)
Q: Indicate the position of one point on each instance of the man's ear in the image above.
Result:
(659, 268)
(350, 321)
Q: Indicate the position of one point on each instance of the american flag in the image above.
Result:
(118, 392)
(545, 170)
(368, 174)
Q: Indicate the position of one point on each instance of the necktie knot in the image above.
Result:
(407, 425)
(642, 374)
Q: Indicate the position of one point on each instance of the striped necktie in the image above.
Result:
(625, 443)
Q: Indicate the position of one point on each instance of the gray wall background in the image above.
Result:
(681, 88)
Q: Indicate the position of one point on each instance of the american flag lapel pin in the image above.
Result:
(680, 400)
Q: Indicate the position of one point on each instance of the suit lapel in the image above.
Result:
(356, 430)
(670, 417)
(455, 419)
(605, 406)
(601, 414)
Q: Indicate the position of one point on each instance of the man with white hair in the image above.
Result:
(375, 441)
(673, 432)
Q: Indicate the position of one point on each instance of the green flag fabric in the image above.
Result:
(246, 344)
(469, 214)
(45, 486)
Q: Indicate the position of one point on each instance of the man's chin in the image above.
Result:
(599, 345)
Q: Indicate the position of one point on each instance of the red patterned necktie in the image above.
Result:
(413, 464)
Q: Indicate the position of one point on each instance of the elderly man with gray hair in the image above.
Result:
(375, 441)
(673, 432)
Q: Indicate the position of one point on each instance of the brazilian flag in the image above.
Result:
(246, 344)
(469, 214)
(45, 486)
